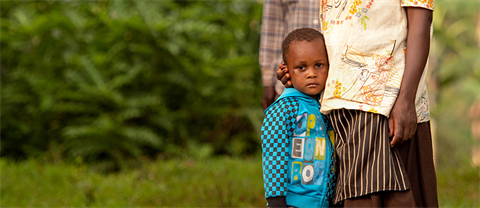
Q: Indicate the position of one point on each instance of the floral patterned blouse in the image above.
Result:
(366, 44)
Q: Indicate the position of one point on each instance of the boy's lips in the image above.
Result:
(313, 84)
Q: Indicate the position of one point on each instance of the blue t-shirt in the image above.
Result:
(298, 151)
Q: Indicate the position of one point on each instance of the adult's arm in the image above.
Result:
(403, 118)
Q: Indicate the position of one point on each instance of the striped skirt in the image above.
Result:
(365, 161)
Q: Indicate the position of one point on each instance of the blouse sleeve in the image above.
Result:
(427, 4)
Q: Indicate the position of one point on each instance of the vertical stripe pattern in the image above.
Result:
(366, 163)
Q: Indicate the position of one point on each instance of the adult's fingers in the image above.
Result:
(281, 71)
(286, 80)
(288, 84)
(410, 131)
(398, 133)
(391, 126)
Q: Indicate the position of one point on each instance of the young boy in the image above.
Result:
(376, 99)
(298, 154)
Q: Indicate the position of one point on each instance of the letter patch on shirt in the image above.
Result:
(309, 150)
(297, 148)
(296, 173)
(301, 127)
(311, 124)
(307, 174)
(319, 169)
(320, 148)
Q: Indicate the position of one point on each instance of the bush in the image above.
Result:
(111, 81)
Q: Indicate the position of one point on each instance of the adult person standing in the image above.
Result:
(279, 18)
(377, 101)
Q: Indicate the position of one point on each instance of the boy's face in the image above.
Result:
(307, 63)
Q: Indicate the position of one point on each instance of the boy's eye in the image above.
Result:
(318, 65)
(301, 67)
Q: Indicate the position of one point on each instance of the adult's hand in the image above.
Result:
(283, 75)
(268, 97)
(402, 123)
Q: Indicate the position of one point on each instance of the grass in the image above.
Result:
(217, 182)
(459, 187)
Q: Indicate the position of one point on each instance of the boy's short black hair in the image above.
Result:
(301, 34)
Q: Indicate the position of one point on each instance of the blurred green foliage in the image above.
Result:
(455, 80)
(111, 81)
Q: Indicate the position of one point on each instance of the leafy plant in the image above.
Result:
(112, 81)
(455, 79)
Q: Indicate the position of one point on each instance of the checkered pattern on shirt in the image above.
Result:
(279, 18)
(277, 126)
(332, 177)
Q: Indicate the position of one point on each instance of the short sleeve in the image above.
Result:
(427, 4)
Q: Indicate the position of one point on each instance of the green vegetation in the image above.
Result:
(459, 187)
(216, 182)
(111, 81)
(454, 85)
(146, 103)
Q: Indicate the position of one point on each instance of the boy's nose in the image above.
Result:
(312, 74)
